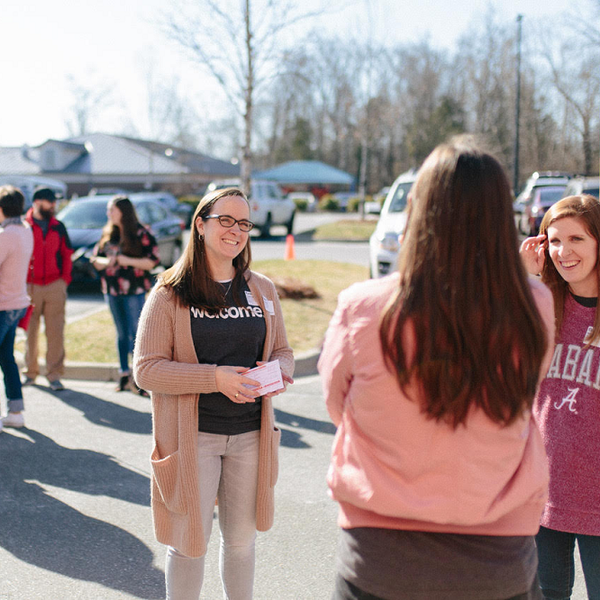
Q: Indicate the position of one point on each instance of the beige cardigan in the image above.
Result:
(165, 364)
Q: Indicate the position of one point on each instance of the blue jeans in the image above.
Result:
(556, 567)
(126, 311)
(9, 319)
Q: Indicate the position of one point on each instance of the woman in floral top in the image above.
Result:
(125, 255)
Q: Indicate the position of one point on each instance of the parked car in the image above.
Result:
(28, 183)
(374, 207)
(268, 206)
(583, 185)
(185, 211)
(85, 218)
(539, 179)
(308, 197)
(381, 195)
(542, 198)
(343, 199)
(181, 209)
(384, 244)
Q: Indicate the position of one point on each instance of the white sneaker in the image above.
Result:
(1, 426)
(16, 420)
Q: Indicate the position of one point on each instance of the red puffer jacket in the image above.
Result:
(51, 259)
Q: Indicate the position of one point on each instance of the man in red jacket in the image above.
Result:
(47, 281)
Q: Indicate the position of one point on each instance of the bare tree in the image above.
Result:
(238, 43)
(575, 72)
(89, 98)
(170, 116)
(585, 19)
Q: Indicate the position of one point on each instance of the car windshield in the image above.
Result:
(593, 191)
(550, 195)
(398, 203)
(83, 215)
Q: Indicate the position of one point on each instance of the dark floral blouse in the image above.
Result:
(128, 281)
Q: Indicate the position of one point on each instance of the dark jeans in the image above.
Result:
(556, 567)
(344, 590)
(9, 319)
(126, 311)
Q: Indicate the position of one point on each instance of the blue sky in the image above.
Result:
(105, 42)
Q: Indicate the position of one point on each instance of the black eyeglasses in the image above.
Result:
(227, 221)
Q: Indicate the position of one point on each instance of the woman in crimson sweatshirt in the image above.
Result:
(567, 406)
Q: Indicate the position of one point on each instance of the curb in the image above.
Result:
(306, 364)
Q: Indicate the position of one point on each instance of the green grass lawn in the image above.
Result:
(92, 339)
(346, 229)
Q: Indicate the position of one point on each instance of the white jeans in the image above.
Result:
(228, 470)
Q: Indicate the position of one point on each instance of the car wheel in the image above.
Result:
(290, 223)
(265, 230)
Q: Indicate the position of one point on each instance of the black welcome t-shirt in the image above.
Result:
(233, 336)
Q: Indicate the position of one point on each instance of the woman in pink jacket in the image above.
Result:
(430, 375)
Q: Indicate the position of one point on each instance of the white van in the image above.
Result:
(268, 206)
(28, 183)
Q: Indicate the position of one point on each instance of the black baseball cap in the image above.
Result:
(44, 193)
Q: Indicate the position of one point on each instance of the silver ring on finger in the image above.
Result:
(236, 395)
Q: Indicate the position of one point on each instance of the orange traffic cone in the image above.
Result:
(290, 252)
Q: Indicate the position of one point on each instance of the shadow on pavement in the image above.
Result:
(106, 413)
(46, 532)
(293, 439)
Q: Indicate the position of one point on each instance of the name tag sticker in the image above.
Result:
(588, 336)
(250, 299)
(269, 306)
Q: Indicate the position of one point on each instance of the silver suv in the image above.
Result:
(268, 206)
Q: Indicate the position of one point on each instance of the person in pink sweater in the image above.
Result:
(207, 321)
(16, 247)
(430, 374)
(567, 406)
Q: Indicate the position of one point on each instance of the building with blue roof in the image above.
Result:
(304, 174)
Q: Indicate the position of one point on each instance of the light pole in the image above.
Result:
(518, 105)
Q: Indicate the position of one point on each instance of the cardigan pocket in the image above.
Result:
(166, 476)
(275, 440)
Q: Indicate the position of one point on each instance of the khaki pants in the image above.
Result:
(49, 301)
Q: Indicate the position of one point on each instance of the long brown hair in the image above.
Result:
(586, 209)
(125, 236)
(463, 295)
(190, 277)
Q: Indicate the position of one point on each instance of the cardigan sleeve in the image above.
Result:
(335, 362)
(281, 348)
(155, 368)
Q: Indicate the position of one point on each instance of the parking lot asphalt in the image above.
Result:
(75, 521)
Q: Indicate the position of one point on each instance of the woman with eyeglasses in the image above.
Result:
(207, 321)
(125, 255)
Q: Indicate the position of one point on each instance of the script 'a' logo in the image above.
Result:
(569, 399)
